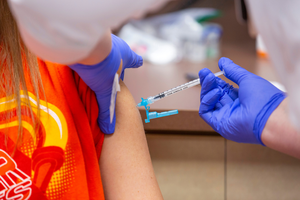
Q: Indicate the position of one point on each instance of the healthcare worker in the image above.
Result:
(257, 112)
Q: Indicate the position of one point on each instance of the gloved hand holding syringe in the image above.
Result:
(152, 99)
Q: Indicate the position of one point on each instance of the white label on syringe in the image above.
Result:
(174, 90)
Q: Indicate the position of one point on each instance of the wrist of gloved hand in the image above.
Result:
(237, 114)
(263, 116)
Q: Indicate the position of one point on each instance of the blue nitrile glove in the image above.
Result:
(100, 78)
(240, 114)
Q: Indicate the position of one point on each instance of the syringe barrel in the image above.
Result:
(176, 89)
(182, 87)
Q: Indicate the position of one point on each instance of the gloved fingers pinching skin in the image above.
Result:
(238, 114)
(129, 58)
(100, 78)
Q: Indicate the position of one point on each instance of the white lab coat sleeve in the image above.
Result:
(66, 31)
(278, 22)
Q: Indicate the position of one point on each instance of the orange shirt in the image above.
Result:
(62, 160)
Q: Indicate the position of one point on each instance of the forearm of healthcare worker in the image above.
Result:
(254, 113)
(99, 71)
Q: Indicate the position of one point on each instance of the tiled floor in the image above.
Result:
(192, 167)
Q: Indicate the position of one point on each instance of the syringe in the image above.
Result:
(167, 93)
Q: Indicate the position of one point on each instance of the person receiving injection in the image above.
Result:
(60, 32)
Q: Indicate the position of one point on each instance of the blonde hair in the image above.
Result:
(14, 60)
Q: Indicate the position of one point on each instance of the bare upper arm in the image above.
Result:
(125, 163)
